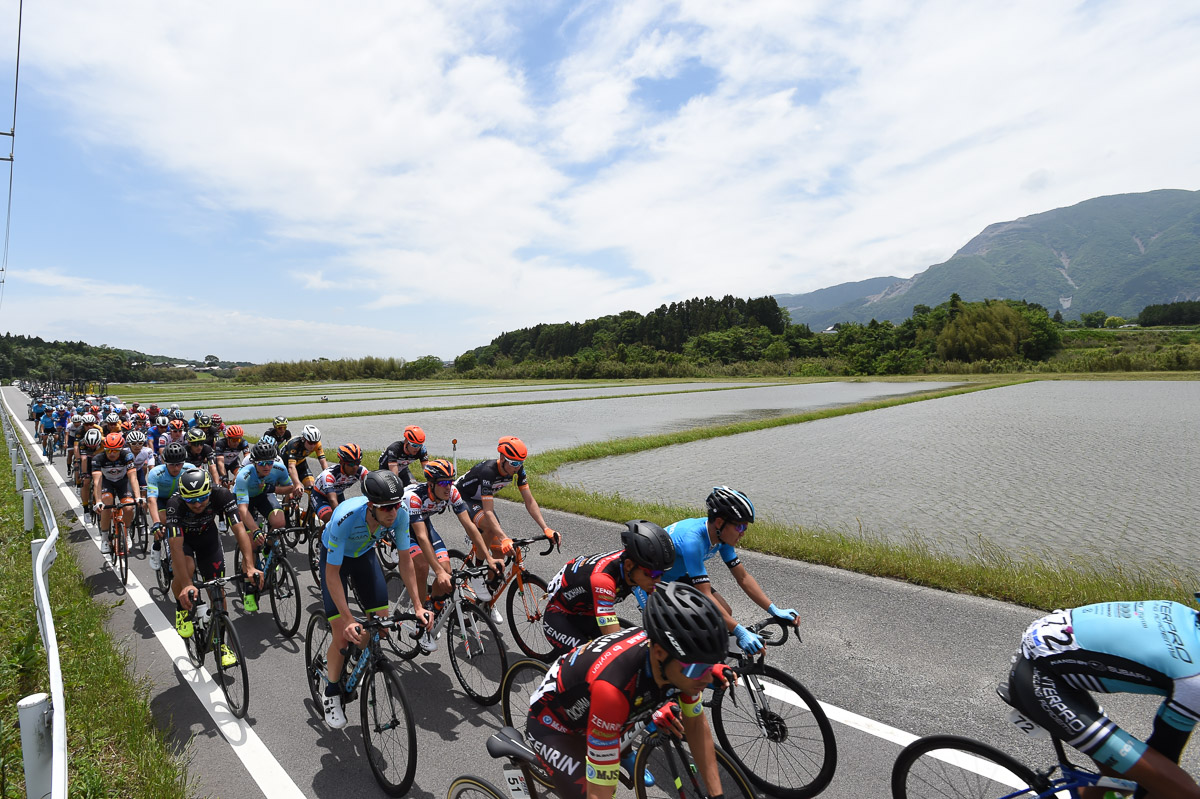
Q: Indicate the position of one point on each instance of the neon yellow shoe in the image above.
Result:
(250, 603)
(227, 657)
(183, 624)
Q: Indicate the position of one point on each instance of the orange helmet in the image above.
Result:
(512, 448)
(234, 431)
(114, 441)
(414, 435)
(177, 424)
(349, 453)
(126, 426)
(440, 469)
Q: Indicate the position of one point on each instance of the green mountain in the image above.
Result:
(1117, 254)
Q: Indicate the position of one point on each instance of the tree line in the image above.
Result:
(32, 358)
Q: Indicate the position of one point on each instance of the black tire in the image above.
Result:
(918, 773)
(399, 638)
(235, 679)
(468, 787)
(121, 551)
(656, 755)
(197, 645)
(316, 644)
(520, 681)
(163, 573)
(142, 525)
(285, 596)
(526, 605)
(389, 735)
(314, 558)
(477, 654)
(389, 558)
(785, 746)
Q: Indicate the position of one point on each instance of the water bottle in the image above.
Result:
(352, 659)
(203, 612)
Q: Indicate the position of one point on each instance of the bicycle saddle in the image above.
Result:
(508, 742)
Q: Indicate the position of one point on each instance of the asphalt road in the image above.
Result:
(916, 660)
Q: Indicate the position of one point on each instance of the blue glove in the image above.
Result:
(787, 614)
(750, 643)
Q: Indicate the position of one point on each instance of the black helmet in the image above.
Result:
(264, 451)
(648, 545)
(381, 487)
(686, 623)
(195, 484)
(174, 453)
(726, 503)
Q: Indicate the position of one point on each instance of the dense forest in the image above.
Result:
(67, 361)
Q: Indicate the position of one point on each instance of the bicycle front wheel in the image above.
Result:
(285, 597)
(476, 652)
(314, 557)
(121, 551)
(520, 681)
(234, 677)
(660, 757)
(389, 735)
(317, 637)
(468, 787)
(778, 733)
(527, 598)
(950, 766)
(400, 638)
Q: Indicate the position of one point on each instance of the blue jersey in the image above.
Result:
(248, 484)
(60, 419)
(346, 534)
(692, 548)
(160, 483)
(46, 422)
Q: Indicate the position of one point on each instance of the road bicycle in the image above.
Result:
(214, 633)
(389, 734)
(279, 581)
(952, 766)
(525, 600)
(477, 653)
(118, 540)
(164, 574)
(141, 529)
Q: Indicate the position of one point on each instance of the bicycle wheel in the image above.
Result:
(778, 733)
(314, 557)
(389, 558)
(234, 679)
(285, 597)
(658, 755)
(317, 636)
(468, 787)
(520, 681)
(476, 653)
(163, 572)
(526, 602)
(197, 645)
(400, 638)
(142, 530)
(951, 766)
(121, 551)
(389, 735)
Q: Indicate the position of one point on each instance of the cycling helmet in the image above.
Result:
(196, 436)
(195, 484)
(414, 435)
(350, 453)
(264, 451)
(204, 421)
(268, 440)
(686, 623)
(177, 415)
(92, 438)
(76, 419)
(174, 406)
(234, 431)
(136, 437)
(89, 418)
(177, 424)
(648, 545)
(112, 418)
(217, 420)
(311, 434)
(512, 448)
(162, 421)
(196, 416)
(440, 469)
(135, 405)
(125, 426)
(726, 503)
(174, 453)
(114, 441)
(381, 487)
(279, 421)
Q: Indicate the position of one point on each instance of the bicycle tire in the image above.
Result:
(477, 653)
(400, 640)
(520, 681)
(121, 550)
(919, 773)
(285, 597)
(654, 757)
(384, 712)
(197, 643)
(142, 530)
(316, 645)
(469, 787)
(795, 756)
(314, 557)
(163, 572)
(235, 679)
(388, 556)
(526, 604)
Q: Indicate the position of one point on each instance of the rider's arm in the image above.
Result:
(604, 598)
(607, 714)
(535, 512)
(750, 586)
(700, 742)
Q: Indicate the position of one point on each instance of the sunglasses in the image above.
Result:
(391, 506)
(741, 528)
(444, 483)
(197, 501)
(514, 464)
(264, 463)
(653, 574)
(695, 671)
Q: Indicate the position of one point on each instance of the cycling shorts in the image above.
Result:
(321, 506)
(265, 503)
(118, 488)
(206, 550)
(474, 508)
(565, 631)
(369, 582)
(439, 547)
(1071, 714)
(562, 755)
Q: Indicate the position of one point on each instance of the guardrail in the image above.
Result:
(42, 718)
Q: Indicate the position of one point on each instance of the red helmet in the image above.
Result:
(234, 431)
(414, 435)
(512, 448)
(114, 441)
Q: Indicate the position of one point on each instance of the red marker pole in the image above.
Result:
(454, 447)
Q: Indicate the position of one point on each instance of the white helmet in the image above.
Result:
(311, 434)
(92, 438)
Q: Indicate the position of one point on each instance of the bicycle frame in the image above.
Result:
(514, 565)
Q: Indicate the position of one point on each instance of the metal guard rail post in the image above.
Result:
(43, 723)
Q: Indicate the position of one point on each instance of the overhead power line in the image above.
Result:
(12, 142)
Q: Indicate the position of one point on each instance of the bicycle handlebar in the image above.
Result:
(525, 542)
(771, 637)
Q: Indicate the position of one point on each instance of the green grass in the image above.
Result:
(115, 749)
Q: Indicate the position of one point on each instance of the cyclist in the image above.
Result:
(601, 689)
(74, 431)
(89, 445)
(112, 424)
(204, 423)
(143, 456)
(163, 481)
(295, 454)
(477, 488)
(200, 454)
(174, 432)
(400, 454)
(157, 431)
(196, 545)
(730, 512)
(45, 425)
(1150, 647)
(218, 426)
(61, 418)
(329, 489)
(348, 552)
(423, 501)
(257, 485)
(114, 477)
(278, 431)
(582, 597)
(230, 451)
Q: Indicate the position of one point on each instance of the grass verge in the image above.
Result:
(114, 748)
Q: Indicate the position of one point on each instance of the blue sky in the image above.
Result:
(282, 180)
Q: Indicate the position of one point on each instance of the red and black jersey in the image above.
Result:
(590, 585)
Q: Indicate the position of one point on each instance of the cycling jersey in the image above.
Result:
(692, 548)
(421, 506)
(248, 484)
(87, 454)
(142, 460)
(182, 520)
(590, 585)
(203, 457)
(112, 470)
(294, 453)
(395, 454)
(170, 438)
(334, 480)
(231, 455)
(160, 483)
(280, 438)
(484, 480)
(60, 420)
(46, 423)
(346, 534)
